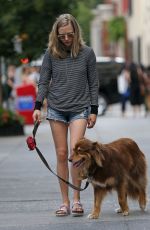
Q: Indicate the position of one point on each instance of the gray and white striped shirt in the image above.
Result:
(69, 84)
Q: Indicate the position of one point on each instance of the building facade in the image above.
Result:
(136, 45)
(138, 24)
(99, 33)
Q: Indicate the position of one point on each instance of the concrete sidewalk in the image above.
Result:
(29, 193)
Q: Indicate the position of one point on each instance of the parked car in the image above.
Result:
(107, 70)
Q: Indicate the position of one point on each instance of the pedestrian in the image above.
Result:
(68, 80)
(147, 91)
(9, 88)
(34, 74)
(25, 76)
(123, 82)
(135, 91)
(141, 74)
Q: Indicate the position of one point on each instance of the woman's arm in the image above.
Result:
(44, 81)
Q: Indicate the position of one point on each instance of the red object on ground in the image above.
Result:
(25, 98)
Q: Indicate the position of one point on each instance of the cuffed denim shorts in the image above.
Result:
(66, 117)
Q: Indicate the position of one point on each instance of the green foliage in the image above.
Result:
(84, 17)
(8, 117)
(117, 27)
(32, 20)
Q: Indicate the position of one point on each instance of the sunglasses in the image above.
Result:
(63, 36)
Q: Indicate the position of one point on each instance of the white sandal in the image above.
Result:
(64, 210)
(77, 209)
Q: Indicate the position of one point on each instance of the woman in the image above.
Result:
(68, 81)
(135, 92)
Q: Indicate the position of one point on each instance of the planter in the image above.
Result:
(14, 129)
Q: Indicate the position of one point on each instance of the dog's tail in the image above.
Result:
(137, 183)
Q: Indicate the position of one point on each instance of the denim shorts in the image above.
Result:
(66, 117)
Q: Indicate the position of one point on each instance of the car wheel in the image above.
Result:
(102, 102)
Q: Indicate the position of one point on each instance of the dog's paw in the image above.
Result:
(143, 207)
(125, 213)
(93, 216)
(118, 210)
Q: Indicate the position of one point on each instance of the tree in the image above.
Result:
(117, 31)
(84, 17)
(116, 28)
(31, 21)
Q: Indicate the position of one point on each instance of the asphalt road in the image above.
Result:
(29, 193)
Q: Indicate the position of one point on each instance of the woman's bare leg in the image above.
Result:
(59, 132)
(77, 131)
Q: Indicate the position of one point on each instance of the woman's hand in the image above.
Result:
(91, 120)
(36, 115)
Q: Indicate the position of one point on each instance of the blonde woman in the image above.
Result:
(68, 80)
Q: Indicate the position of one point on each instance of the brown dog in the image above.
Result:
(119, 165)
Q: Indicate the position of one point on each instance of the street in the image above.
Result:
(29, 193)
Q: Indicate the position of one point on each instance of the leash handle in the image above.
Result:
(36, 125)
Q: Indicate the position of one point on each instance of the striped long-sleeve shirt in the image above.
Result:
(69, 84)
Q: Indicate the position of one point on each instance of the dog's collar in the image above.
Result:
(90, 175)
(92, 171)
(91, 179)
(96, 183)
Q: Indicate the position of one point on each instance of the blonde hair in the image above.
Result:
(55, 47)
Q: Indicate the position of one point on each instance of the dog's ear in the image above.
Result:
(98, 156)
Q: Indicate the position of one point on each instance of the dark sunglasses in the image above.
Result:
(62, 36)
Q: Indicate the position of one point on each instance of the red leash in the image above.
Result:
(31, 142)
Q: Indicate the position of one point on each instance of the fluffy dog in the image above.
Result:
(119, 165)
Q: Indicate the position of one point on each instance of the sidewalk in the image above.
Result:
(29, 193)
